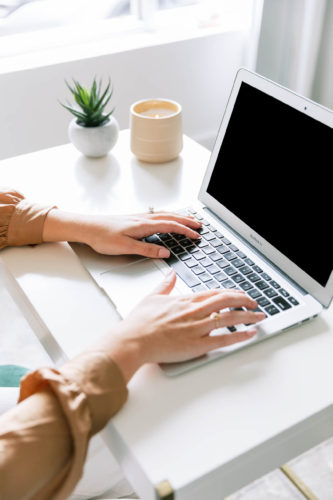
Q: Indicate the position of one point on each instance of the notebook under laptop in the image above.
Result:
(264, 204)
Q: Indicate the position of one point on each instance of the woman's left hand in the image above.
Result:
(118, 234)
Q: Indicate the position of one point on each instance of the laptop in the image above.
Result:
(264, 205)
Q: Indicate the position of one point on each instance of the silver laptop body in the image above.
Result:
(266, 192)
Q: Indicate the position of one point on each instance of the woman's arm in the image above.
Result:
(43, 441)
(121, 234)
(24, 223)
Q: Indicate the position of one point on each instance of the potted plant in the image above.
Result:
(93, 131)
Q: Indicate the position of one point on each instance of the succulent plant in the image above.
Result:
(91, 102)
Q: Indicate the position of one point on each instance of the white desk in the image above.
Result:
(207, 432)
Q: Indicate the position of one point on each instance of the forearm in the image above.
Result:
(66, 226)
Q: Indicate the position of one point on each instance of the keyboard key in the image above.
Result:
(208, 250)
(229, 256)
(202, 244)
(249, 262)
(213, 284)
(257, 269)
(282, 303)
(216, 243)
(238, 278)
(222, 263)
(270, 292)
(242, 255)
(238, 263)
(218, 234)
(209, 236)
(221, 276)
(226, 241)
(263, 301)
(164, 236)
(182, 271)
(233, 248)
(192, 249)
(215, 256)
(212, 228)
(171, 244)
(199, 255)
(206, 262)
(266, 277)
(197, 269)
(213, 269)
(293, 301)
(205, 277)
(184, 256)
(187, 243)
(205, 222)
(271, 310)
(254, 294)
(284, 292)
(246, 285)
(191, 262)
(177, 249)
(228, 284)
(230, 270)
(231, 329)
(262, 285)
(245, 270)
(222, 249)
(274, 284)
(202, 230)
(179, 237)
(253, 277)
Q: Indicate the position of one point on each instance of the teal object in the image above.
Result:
(10, 375)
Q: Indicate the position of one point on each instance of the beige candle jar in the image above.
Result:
(156, 130)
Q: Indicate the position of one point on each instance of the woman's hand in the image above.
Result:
(165, 328)
(115, 235)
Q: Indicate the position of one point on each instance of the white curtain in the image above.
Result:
(296, 46)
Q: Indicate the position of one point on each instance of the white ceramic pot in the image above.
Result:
(94, 141)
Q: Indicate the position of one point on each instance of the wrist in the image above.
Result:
(65, 226)
(126, 352)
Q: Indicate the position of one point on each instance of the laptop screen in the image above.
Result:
(272, 173)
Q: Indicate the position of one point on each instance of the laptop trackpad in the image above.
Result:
(127, 285)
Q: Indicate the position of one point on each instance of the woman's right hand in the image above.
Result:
(169, 328)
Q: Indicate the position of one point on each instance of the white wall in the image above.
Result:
(198, 73)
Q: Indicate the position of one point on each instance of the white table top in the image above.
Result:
(209, 431)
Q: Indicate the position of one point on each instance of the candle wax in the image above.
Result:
(158, 112)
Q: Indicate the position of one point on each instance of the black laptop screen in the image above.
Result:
(272, 172)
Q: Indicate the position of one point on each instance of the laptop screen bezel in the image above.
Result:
(322, 294)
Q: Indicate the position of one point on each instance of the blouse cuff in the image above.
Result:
(26, 224)
(90, 389)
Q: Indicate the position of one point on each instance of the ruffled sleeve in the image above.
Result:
(46, 436)
(21, 222)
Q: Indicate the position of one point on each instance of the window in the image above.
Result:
(37, 26)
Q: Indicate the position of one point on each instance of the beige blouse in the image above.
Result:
(44, 439)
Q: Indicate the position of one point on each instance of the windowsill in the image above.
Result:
(57, 45)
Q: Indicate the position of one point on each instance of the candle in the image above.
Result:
(156, 130)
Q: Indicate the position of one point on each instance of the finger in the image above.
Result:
(148, 250)
(231, 318)
(170, 227)
(218, 341)
(225, 299)
(167, 285)
(181, 219)
(200, 296)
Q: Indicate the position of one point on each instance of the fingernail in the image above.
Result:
(163, 253)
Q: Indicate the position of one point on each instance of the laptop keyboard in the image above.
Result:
(214, 261)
